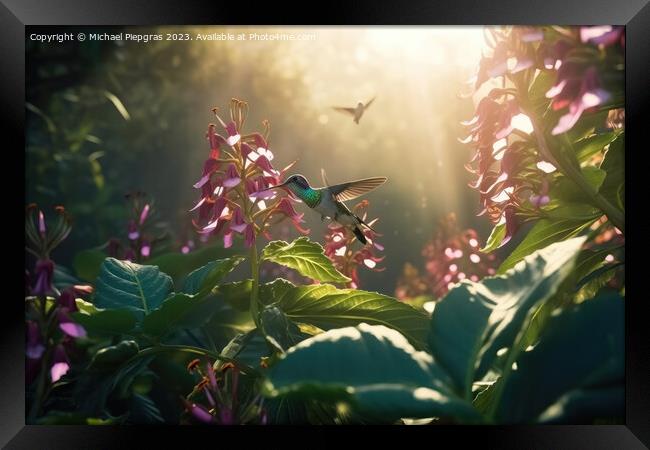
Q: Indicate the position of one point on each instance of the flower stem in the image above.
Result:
(255, 272)
(572, 171)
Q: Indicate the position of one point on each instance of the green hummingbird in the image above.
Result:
(328, 200)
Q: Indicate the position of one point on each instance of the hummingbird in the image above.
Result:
(328, 200)
(356, 112)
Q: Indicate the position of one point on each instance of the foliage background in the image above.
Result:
(106, 118)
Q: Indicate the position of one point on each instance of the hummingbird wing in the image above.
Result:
(353, 189)
(344, 110)
(369, 103)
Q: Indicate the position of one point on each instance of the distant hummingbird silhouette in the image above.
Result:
(328, 200)
(356, 112)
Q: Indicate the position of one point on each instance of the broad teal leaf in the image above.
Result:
(582, 347)
(327, 307)
(305, 257)
(587, 406)
(123, 284)
(373, 368)
(475, 320)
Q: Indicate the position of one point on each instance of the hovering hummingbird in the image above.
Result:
(356, 112)
(328, 200)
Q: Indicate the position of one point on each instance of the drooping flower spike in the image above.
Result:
(236, 195)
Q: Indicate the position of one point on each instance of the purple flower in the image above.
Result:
(580, 90)
(604, 35)
(232, 177)
(44, 272)
(70, 328)
(60, 364)
(35, 347)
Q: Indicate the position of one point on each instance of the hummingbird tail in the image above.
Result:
(359, 234)
(365, 224)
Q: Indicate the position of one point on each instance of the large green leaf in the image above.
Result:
(305, 257)
(587, 406)
(172, 314)
(544, 233)
(203, 279)
(248, 348)
(473, 323)
(327, 307)
(106, 321)
(373, 368)
(581, 348)
(279, 330)
(123, 284)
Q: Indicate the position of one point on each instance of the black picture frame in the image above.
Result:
(16, 15)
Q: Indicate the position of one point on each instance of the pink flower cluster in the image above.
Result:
(452, 255)
(339, 247)
(236, 198)
(513, 172)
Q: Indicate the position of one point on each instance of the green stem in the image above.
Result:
(255, 272)
(572, 171)
(192, 350)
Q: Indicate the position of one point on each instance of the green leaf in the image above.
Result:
(105, 321)
(474, 321)
(279, 330)
(123, 284)
(87, 264)
(584, 344)
(118, 105)
(496, 236)
(177, 265)
(108, 358)
(73, 418)
(248, 348)
(328, 307)
(172, 314)
(305, 257)
(544, 233)
(373, 368)
(236, 294)
(143, 410)
(587, 406)
(587, 147)
(203, 279)
(566, 190)
(613, 187)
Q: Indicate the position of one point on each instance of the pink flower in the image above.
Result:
(232, 177)
(581, 91)
(604, 35)
(60, 364)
